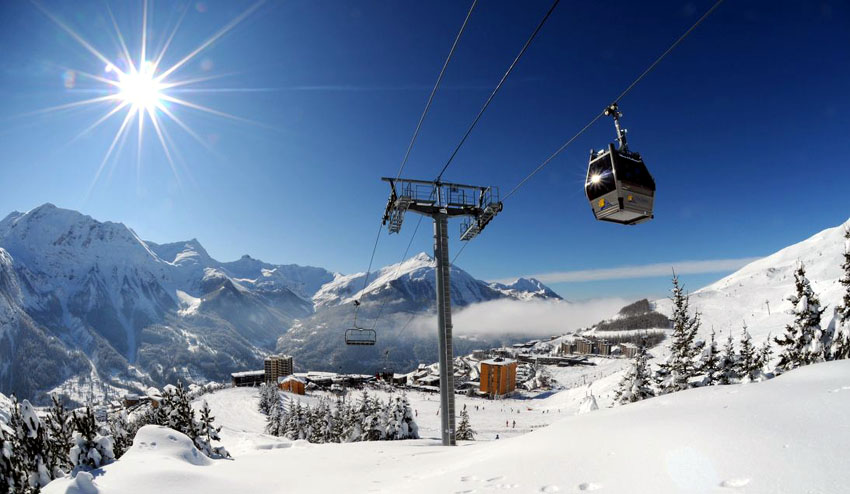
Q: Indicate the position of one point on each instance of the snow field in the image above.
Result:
(789, 434)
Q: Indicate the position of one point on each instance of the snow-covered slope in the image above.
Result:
(757, 293)
(412, 280)
(526, 289)
(782, 435)
(90, 300)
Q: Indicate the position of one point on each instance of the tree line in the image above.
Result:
(368, 419)
(692, 363)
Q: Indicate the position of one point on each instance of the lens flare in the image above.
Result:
(595, 178)
(140, 88)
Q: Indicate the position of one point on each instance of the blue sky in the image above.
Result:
(744, 127)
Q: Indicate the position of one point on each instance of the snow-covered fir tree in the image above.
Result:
(268, 398)
(181, 416)
(803, 341)
(764, 355)
(276, 419)
(207, 433)
(119, 429)
(9, 477)
(92, 446)
(341, 422)
(328, 423)
(588, 404)
(840, 346)
(635, 385)
(295, 421)
(32, 455)
(710, 363)
(464, 431)
(728, 363)
(676, 373)
(747, 363)
(60, 434)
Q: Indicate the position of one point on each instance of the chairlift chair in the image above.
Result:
(619, 186)
(360, 336)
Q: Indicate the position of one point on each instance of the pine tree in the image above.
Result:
(840, 346)
(181, 416)
(802, 343)
(675, 374)
(765, 352)
(710, 365)
(747, 363)
(464, 431)
(92, 447)
(275, 420)
(60, 435)
(8, 474)
(409, 429)
(315, 423)
(728, 363)
(328, 424)
(635, 384)
(207, 432)
(340, 422)
(268, 397)
(119, 429)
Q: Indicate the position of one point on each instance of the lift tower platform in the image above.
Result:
(440, 201)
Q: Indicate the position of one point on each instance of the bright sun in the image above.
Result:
(140, 89)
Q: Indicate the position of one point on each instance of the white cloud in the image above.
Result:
(644, 271)
(532, 318)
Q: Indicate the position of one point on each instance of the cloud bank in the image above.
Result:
(644, 271)
(533, 318)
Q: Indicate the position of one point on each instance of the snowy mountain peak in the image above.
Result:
(526, 289)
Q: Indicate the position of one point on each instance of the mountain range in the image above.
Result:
(88, 308)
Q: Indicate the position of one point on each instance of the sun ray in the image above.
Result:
(138, 88)
(66, 106)
(74, 35)
(170, 37)
(142, 58)
(230, 25)
(211, 111)
(188, 129)
(99, 121)
(156, 126)
(120, 37)
(130, 115)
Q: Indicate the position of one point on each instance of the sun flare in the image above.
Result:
(140, 89)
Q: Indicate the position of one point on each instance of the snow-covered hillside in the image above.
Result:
(782, 435)
(757, 293)
(97, 309)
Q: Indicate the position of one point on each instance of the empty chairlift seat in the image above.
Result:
(360, 336)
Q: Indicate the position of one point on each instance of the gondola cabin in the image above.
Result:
(619, 187)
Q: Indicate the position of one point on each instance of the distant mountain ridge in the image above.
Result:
(94, 308)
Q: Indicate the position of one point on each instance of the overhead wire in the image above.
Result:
(601, 114)
(410, 147)
(497, 88)
(617, 99)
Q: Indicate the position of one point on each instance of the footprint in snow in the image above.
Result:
(468, 478)
(494, 479)
(735, 483)
(589, 486)
(469, 491)
(548, 489)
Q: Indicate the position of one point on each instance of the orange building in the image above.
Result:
(498, 376)
(292, 384)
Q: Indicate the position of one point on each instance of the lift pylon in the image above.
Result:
(440, 201)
